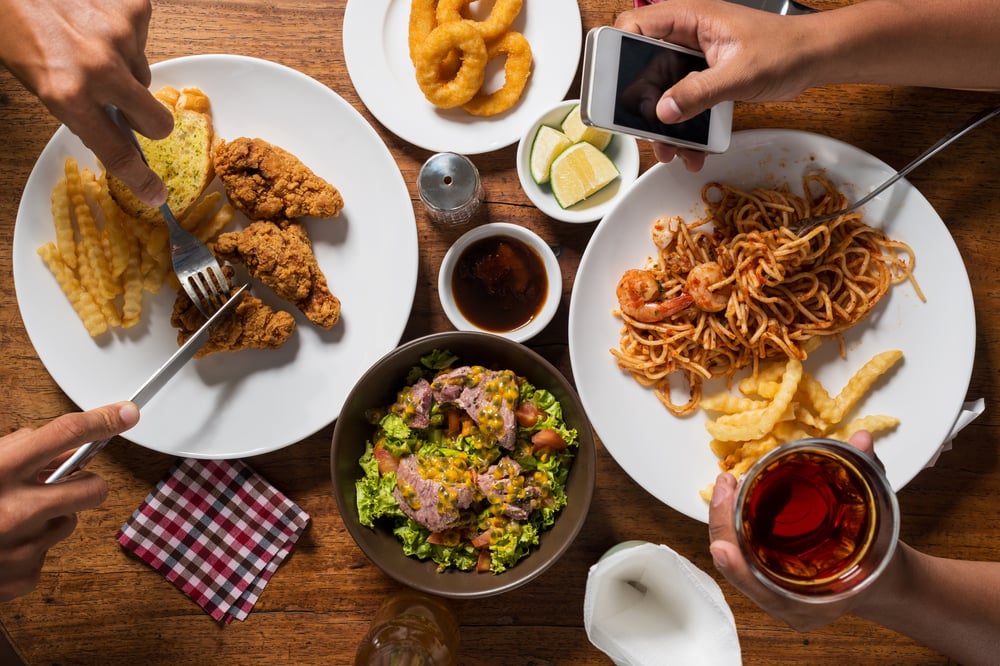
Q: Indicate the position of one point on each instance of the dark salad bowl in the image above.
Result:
(379, 387)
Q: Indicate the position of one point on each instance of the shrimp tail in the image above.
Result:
(672, 306)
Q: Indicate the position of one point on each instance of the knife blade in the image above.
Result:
(163, 374)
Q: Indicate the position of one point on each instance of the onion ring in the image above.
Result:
(422, 21)
(516, 71)
(456, 91)
(497, 23)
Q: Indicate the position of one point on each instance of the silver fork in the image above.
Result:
(975, 121)
(196, 267)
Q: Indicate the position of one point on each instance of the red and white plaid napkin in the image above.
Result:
(218, 531)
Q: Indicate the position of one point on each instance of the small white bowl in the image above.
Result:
(531, 239)
(623, 151)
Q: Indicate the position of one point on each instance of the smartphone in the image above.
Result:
(624, 75)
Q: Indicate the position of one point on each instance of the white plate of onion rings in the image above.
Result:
(375, 37)
(670, 456)
(231, 405)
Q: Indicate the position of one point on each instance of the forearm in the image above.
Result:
(933, 43)
(950, 605)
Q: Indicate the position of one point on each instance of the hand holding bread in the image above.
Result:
(78, 56)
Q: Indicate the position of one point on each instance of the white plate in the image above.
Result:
(376, 49)
(623, 151)
(254, 401)
(669, 456)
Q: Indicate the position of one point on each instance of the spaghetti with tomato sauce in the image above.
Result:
(739, 286)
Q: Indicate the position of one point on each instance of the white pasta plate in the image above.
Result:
(230, 405)
(670, 456)
(376, 50)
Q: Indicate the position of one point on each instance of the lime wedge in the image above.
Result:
(580, 171)
(574, 128)
(547, 145)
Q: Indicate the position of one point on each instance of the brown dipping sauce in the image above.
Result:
(499, 283)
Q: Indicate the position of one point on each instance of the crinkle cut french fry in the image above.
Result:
(200, 211)
(84, 304)
(805, 416)
(65, 235)
(210, 228)
(722, 449)
(875, 424)
(133, 286)
(859, 384)
(93, 264)
(770, 373)
(816, 396)
(115, 230)
(727, 403)
(737, 427)
(746, 455)
(159, 266)
(108, 281)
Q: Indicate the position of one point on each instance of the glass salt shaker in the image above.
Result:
(450, 188)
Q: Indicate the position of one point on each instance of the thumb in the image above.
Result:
(696, 92)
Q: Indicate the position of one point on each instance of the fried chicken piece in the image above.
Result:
(267, 182)
(280, 255)
(253, 324)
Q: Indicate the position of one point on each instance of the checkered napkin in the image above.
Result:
(218, 531)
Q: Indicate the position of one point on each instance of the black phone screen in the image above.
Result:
(645, 71)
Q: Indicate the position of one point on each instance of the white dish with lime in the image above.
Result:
(571, 172)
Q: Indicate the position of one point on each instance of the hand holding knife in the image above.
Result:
(86, 453)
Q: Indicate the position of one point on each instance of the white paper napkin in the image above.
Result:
(646, 605)
(970, 410)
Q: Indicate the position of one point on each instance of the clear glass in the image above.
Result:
(410, 629)
(817, 520)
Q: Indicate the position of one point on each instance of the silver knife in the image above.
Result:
(86, 453)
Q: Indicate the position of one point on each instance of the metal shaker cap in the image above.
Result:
(450, 188)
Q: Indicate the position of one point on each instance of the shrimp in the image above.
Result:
(699, 284)
(640, 296)
(664, 230)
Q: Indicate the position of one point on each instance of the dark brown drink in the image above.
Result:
(810, 517)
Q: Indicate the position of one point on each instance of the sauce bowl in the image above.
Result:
(487, 282)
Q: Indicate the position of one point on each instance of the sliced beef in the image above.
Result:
(414, 403)
(479, 392)
(502, 484)
(432, 503)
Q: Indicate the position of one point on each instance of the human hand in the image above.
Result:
(34, 516)
(730, 562)
(753, 55)
(78, 56)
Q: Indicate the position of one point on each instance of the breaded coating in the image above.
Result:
(253, 324)
(280, 255)
(267, 182)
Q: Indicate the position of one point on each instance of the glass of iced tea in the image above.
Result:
(816, 519)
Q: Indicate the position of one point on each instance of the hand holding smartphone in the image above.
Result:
(624, 76)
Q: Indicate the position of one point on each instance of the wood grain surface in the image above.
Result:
(95, 604)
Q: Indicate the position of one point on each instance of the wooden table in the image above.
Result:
(96, 605)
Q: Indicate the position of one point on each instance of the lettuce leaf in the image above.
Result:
(375, 491)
